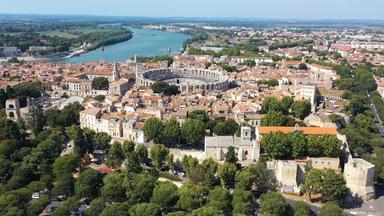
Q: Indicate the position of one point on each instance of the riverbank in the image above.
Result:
(144, 43)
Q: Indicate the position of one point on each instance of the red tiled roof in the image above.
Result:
(305, 130)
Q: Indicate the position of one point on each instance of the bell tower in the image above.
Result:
(12, 108)
(115, 72)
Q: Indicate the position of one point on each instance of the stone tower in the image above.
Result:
(115, 72)
(246, 133)
(12, 108)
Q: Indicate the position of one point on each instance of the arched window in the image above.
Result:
(11, 106)
(11, 115)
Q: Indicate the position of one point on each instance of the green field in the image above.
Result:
(73, 33)
(89, 30)
(61, 34)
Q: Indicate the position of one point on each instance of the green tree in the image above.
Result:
(140, 188)
(199, 115)
(192, 196)
(207, 211)
(165, 88)
(241, 201)
(159, 154)
(178, 213)
(261, 173)
(226, 128)
(121, 209)
(83, 141)
(113, 189)
(37, 206)
(142, 153)
(132, 163)
(64, 185)
(100, 83)
(171, 133)
(286, 104)
(145, 209)
(102, 140)
(277, 145)
(245, 178)
(331, 209)
(312, 184)
(5, 168)
(210, 167)
(96, 207)
(231, 126)
(66, 208)
(99, 98)
(220, 198)
(230, 156)
(153, 128)
(65, 165)
(115, 156)
(271, 104)
(219, 129)
(249, 63)
(329, 184)
(193, 131)
(273, 118)
(301, 109)
(165, 195)
(272, 203)
(36, 120)
(299, 144)
(301, 209)
(323, 146)
(334, 186)
(128, 146)
(89, 184)
(227, 173)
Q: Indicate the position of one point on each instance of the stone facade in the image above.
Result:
(12, 109)
(246, 149)
(358, 175)
(187, 79)
(114, 124)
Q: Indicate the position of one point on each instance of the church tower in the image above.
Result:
(12, 108)
(115, 72)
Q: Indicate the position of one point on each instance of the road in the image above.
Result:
(376, 115)
(373, 207)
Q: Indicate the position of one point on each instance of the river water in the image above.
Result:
(143, 43)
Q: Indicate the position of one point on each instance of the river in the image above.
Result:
(143, 43)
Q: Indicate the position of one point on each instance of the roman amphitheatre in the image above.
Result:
(186, 79)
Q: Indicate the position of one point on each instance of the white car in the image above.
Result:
(36, 196)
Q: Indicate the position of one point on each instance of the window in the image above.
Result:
(11, 106)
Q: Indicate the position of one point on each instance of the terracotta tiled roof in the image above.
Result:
(305, 130)
(91, 111)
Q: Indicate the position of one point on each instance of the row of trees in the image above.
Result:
(273, 203)
(269, 82)
(362, 134)
(283, 146)
(277, 111)
(190, 133)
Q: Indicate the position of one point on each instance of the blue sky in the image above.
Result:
(305, 9)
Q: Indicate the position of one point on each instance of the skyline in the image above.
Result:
(254, 9)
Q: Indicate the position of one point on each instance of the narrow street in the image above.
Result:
(378, 121)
